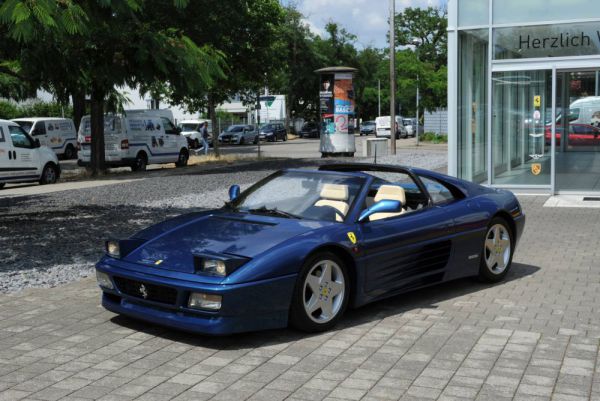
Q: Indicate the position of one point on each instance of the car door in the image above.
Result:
(22, 154)
(170, 150)
(406, 251)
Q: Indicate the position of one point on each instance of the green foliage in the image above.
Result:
(10, 110)
(433, 138)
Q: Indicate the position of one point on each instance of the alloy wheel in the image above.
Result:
(497, 249)
(324, 291)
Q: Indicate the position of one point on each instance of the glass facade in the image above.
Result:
(520, 11)
(472, 104)
(473, 12)
(525, 111)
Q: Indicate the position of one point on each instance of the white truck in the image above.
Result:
(383, 130)
(58, 134)
(23, 159)
(136, 140)
(191, 130)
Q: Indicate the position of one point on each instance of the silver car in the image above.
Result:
(410, 124)
(239, 134)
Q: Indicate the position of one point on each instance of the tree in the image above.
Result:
(244, 32)
(113, 44)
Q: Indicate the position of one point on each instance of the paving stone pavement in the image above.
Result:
(534, 337)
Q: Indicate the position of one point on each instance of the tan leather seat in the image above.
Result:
(335, 196)
(389, 192)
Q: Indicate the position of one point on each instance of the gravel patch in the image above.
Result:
(47, 240)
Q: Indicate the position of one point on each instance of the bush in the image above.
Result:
(434, 138)
(10, 110)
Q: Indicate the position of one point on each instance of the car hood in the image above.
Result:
(220, 233)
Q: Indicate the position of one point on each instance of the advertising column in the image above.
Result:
(337, 112)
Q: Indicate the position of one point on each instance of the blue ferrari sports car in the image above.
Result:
(301, 246)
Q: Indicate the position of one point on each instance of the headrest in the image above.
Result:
(334, 192)
(391, 192)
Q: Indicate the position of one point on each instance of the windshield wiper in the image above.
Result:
(274, 212)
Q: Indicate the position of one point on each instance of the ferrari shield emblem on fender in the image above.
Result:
(536, 168)
(352, 237)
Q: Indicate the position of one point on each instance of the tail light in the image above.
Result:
(125, 144)
(87, 139)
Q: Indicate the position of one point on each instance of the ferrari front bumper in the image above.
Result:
(164, 301)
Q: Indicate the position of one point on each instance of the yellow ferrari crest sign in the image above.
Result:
(536, 168)
(352, 237)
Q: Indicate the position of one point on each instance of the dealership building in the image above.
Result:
(524, 94)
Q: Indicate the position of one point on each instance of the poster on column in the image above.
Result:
(344, 102)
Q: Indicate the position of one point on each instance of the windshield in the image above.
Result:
(303, 195)
(188, 127)
(368, 123)
(235, 128)
(309, 125)
(26, 125)
(407, 121)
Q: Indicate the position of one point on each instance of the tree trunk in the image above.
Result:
(97, 128)
(288, 114)
(213, 118)
(78, 108)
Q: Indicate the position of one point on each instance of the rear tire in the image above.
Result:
(141, 162)
(49, 174)
(183, 158)
(241, 142)
(321, 294)
(497, 253)
(70, 153)
(285, 137)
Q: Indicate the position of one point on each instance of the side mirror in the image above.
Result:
(383, 206)
(178, 130)
(36, 143)
(234, 192)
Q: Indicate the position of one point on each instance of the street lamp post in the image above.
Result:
(416, 42)
(392, 76)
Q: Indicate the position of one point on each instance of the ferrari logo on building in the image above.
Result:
(536, 168)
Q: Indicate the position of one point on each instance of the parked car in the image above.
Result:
(239, 134)
(310, 130)
(272, 132)
(411, 124)
(136, 141)
(23, 159)
(57, 133)
(382, 127)
(191, 130)
(301, 246)
(367, 128)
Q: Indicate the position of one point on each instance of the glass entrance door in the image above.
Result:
(521, 110)
(577, 131)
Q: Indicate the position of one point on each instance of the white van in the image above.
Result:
(382, 127)
(135, 141)
(57, 133)
(191, 130)
(22, 159)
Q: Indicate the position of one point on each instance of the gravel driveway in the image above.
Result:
(46, 240)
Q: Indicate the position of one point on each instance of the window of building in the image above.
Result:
(472, 105)
(473, 12)
(519, 11)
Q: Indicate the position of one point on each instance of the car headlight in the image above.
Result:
(104, 280)
(217, 266)
(200, 300)
(113, 249)
(214, 267)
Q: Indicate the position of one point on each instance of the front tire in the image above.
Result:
(321, 294)
(49, 174)
(2, 185)
(498, 249)
(183, 158)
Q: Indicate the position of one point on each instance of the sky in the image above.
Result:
(367, 19)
